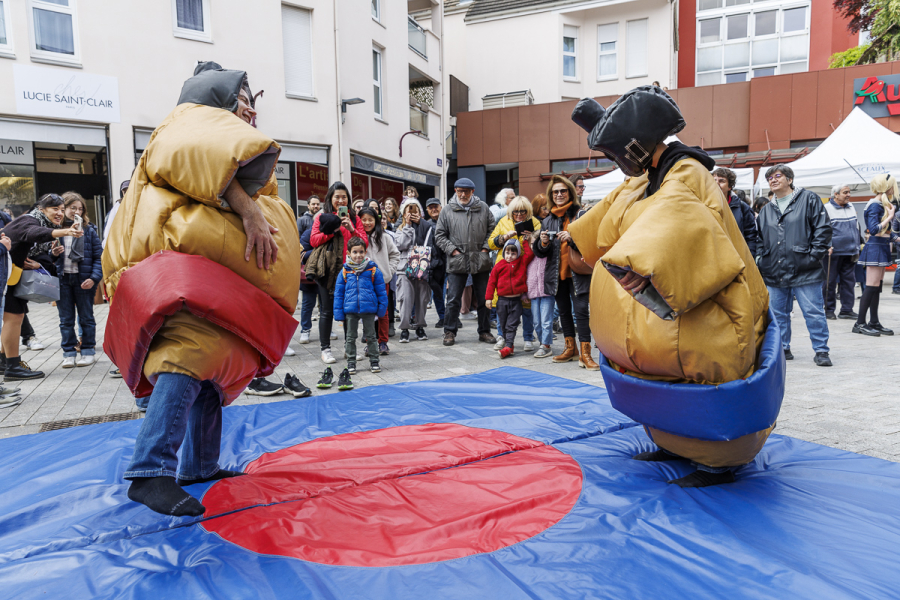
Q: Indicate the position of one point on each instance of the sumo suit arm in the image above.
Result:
(259, 231)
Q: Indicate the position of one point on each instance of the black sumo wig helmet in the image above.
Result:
(629, 130)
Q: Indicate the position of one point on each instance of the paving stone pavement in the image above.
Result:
(842, 406)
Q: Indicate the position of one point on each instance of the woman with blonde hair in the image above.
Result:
(876, 255)
(517, 211)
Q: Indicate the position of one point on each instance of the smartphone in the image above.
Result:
(343, 211)
(78, 222)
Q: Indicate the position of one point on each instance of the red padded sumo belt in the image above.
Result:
(168, 282)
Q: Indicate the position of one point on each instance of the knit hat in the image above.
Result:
(513, 243)
(329, 223)
(464, 183)
(410, 202)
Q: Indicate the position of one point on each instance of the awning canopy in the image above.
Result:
(598, 187)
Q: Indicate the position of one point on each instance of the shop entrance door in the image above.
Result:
(61, 168)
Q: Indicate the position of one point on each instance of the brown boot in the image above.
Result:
(569, 353)
(584, 360)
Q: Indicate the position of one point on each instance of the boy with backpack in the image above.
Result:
(509, 278)
(359, 295)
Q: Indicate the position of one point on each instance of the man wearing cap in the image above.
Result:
(192, 318)
(462, 233)
(676, 297)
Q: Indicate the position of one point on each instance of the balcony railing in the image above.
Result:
(417, 38)
(418, 121)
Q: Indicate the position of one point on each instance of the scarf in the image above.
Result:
(560, 212)
(43, 248)
(357, 267)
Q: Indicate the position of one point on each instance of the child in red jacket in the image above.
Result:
(510, 279)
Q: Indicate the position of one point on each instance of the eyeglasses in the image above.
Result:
(560, 192)
(520, 212)
(463, 191)
(579, 187)
(774, 177)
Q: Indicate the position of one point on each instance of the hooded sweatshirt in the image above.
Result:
(510, 278)
(673, 153)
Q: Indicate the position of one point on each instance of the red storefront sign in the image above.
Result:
(311, 179)
(386, 188)
(359, 186)
(879, 91)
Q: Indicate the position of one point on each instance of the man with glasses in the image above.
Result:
(794, 236)
(578, 182)
(462, 233)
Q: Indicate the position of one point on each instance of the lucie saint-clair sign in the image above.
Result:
(878, 96)
(16, 152)
(65, 94)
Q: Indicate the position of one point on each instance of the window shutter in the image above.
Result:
(570, 32)
(297, 37)
(636, 48)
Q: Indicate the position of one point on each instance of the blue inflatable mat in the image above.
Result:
(802, 521)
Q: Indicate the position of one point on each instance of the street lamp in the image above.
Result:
(345, 103)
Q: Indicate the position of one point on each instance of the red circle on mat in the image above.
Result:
(400, 496)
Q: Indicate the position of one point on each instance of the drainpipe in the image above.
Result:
(337, 92)
(445, 110)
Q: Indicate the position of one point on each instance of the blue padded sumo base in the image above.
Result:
(802, 520)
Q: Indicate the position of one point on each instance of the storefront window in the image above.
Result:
(17, 188)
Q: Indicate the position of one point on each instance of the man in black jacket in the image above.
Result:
(794, 234)
(742, 212)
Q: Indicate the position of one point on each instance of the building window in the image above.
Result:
(377, 82)
(191, 20)
(607, 61)
(6, 45)
(296, 38)
(55, 31)
(636, 48)
(376, 10)
(737, 45)
(570, 52)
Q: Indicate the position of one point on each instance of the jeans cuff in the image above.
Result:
(87, 352)
(144, 474)
(184, 477)
(69, 354)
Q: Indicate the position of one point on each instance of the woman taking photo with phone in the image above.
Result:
(79, 271)
(32, 236)
(336, 216)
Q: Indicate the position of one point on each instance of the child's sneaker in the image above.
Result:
(375, 367)
(327, 378)
(529, 346)
(351, 368)
(506, 352)
(404, 336)
(420, 334)
(344, 382)
(500, 343)
(383, 349)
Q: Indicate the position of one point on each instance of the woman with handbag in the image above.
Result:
(332, 229)
(560, 280)
(79, 270)
(33, 236)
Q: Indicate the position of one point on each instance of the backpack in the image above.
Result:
(418, 263)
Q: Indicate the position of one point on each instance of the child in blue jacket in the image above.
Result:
(360, 295)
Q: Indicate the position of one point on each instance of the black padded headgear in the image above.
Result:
(214, 86)
(630, 129)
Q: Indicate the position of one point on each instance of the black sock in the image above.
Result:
(864, 304)
(13, 362)
(704, 479)
(220, 474)
(658, 455)
(873, 307)
(162, 495)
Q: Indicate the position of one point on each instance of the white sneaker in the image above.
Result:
(500, 343)
(290, 351)
(328, 357)
(333, 335)
(304, 337)
(34, 344)
(68, 362)
(529, 346)
(85, 361)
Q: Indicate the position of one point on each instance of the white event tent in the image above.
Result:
(598, 187)
(856, 151)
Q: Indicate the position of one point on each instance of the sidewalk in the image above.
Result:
(839, 406)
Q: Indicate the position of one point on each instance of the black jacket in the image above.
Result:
(24, 232)
(743, 214)
(304, 223)
(792, 244)
(551, 253)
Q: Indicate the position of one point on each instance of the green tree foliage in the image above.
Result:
(883, 17)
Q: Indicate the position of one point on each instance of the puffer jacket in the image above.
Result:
(174, 203)
(792, 244)
(743, 214)
(466, 231)
(360, 293)
(551, 253)
(510, 278)
(90, 266)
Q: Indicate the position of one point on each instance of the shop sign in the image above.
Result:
(283, 171)
(14, 152)
(380, 168)
(359, 186)
(878, 96)
(311, 179)
(66, 94)
(385, 188)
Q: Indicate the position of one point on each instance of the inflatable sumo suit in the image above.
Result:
(695, 357)
(183, 299)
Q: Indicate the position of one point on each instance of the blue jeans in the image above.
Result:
(809, 297)
(542, 318)
(309, 293)
(527, 326)
(72, 298)
(181, 409)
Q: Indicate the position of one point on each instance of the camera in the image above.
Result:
(551, 234)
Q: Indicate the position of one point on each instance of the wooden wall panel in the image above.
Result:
(770, 109)
(530, 183)
(564, 133)
(730, 115)
(490, 136)
(803, 105)
(534, 132)
(829, 101)
(697, 107)
(509, 135)
(468, 139)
